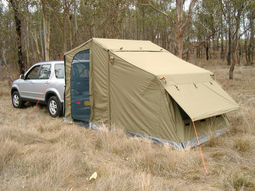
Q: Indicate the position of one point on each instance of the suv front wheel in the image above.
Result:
(16, 100)
(54, 106)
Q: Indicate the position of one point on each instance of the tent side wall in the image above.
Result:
(99, 84)
(138, 102)
(68, 64)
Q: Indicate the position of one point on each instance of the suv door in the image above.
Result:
(42, 81)
(26, 87)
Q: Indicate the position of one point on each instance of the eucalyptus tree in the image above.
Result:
(233, 12)
(46, 28)
(8, 34)
(180, 21)
(1, 25)
(251, 22)
(207, 25)
(16, 13)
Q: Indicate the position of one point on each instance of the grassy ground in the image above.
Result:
(46, 154)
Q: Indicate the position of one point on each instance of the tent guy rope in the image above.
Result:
(247, 111)
(201, 152)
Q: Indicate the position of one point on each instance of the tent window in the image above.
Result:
(183, 113)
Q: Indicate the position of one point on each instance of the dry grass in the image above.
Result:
(46, 154)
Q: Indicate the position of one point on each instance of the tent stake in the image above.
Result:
(202, 156)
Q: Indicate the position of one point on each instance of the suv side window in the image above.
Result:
(59, 71)
(33, 73)
(45, 71)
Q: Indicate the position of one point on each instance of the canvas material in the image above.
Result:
(68, 64)
(99, 85)
(138, 101)
(134, 84)
(202, 100)
(193, 88)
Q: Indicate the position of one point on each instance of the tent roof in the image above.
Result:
(127, 45)
(164, 64)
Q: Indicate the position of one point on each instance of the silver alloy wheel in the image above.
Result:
(53, 107)
(15, 100)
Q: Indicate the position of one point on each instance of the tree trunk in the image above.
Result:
(235, 40)
(232, 67)
(222, 54)
(180, 25)
(231, 71)
(177, 28)
(34, 35)
(41, 40)
(137, 24)
(195, 56)
(71, 31)
(229, 43)
(252, 37)
(75, 24)
(46, 32)
(18, 31)
(27, 43)
(7, 71)
(64, 28)
(46, 36)
(239, 55)
(143, 14)
(207, 52)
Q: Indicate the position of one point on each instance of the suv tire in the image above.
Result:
(54, 106)
(16, 100)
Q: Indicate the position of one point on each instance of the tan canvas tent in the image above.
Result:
(144, 89)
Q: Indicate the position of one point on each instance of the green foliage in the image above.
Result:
(125, 19)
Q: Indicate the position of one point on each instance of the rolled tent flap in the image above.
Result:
(202, 100)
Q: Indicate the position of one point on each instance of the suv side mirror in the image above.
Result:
(21, 76)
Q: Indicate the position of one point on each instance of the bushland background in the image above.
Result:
(38, 30)
(45, 154)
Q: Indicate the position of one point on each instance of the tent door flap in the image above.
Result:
(80, 100)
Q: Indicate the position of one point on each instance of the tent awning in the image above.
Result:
(202, 100)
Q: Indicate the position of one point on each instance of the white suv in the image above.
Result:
(44, 81)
